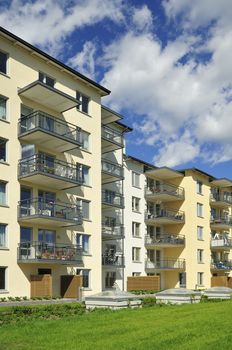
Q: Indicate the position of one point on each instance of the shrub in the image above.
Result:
(148, 301)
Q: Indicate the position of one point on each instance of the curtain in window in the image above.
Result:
(2, 193)
(2, 108)
(2, 235)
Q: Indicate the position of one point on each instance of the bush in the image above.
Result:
(148, 301)
(143, 292)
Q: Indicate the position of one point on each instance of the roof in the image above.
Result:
(24, 43)
(197, 170)
(139, 161)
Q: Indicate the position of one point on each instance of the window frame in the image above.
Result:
(199, 186)
(135, 176)
(4, 98)
(5, 281)
(200, 233)
(134, 199)
(79, 97)
(79, 237)
(134, 229)
(88, 140)
(200, 279)
(199, 210)
(136, 254)
(5, 245)
(7, 60)
(79, 272)
(6, 150)
(81, 201)
(6, 194)
(45, 76)
(200, 256)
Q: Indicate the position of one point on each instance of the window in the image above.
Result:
(135, 203)
(2, 278)
(3, 150)
(200, 278)
(199, 186)
(135, 229)
(47, 236)
(3, 62)
(46, 79)
(110, 278)
(25, 234)
(200, 233)
(3, 242)
(83, 173)
(85, 207)
(44, 271)
(2, 193)
(85, 140)
(134, 274)
(200, 255)
(27, 150)
(135, 179)
(200, 210)
(84, 100)
(136, 254)
(83, 241)
(3, 110)
(85, 277)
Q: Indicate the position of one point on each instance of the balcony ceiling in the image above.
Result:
(163, 173)
(222, 182)
(48, 96)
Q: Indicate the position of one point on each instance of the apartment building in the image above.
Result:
(178, 225)
(50, 171)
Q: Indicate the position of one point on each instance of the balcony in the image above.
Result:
(165, 217)
(221, 223)
(221, 243)
(57, 214)
(112, 199)
(55, 174)
(111, 140)
(48, 96)
(165, 240)
(113, 260)
(110, 232)
(41, 128)
(221, 265)
(167, 264)
(221, 200)
(164, 193)
(111, 171)
(48, 253)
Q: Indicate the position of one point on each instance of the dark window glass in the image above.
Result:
(2, 278)
(85, 104)
(44, 271)
(25, 234)
(3, 62)
(3, 150)
(46, 79)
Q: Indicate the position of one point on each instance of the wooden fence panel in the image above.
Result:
(70, 286)
(41, 286)
(143, 283)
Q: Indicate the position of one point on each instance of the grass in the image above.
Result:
(187, 327)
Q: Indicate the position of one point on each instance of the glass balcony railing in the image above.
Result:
(221, 265)
(171, 264)
(165, 239)
(55, 168)
(42, 121)
(113, 259)
(165, 189)
(112, 198)
(112, 135)
(170, 214)
(49, 209)
(221, 197)
(221, 220)
(112, 231)
(221, 242)
(112, 168)
(49, 252)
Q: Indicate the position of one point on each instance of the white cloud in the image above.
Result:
(142, 19)
(84, 61)
(180, 96)
(48, 22)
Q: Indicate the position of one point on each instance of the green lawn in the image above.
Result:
(187, 327)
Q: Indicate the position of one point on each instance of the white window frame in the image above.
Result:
(6, 193)
(80, 203)
(6, 279)
(81, 236)
(45, 76)
(200, 233)
(80, 272)
(4, 98)
(200, 256)
(200, 279)
(199, 186)
(80, 107)
(200, 210)
(6, 236)
(7, 63)
(6, 151)
(135, 179)
(135, 203)
(136, 229)
(136, 254)
(83, 132)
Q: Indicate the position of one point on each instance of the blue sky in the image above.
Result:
(167, 63)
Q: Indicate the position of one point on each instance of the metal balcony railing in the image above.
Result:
(113, 259)
(221, 220)
(112, 230)
(50, 209)
(112, 198)
(222, 242)
(112, 135)
(45, 122)
(43, 251)
(112, 168)
(166, 264)
(221, 197)
(55, 168)
(168, 189)
(176, 215)
(165, 239)
(221, 265)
